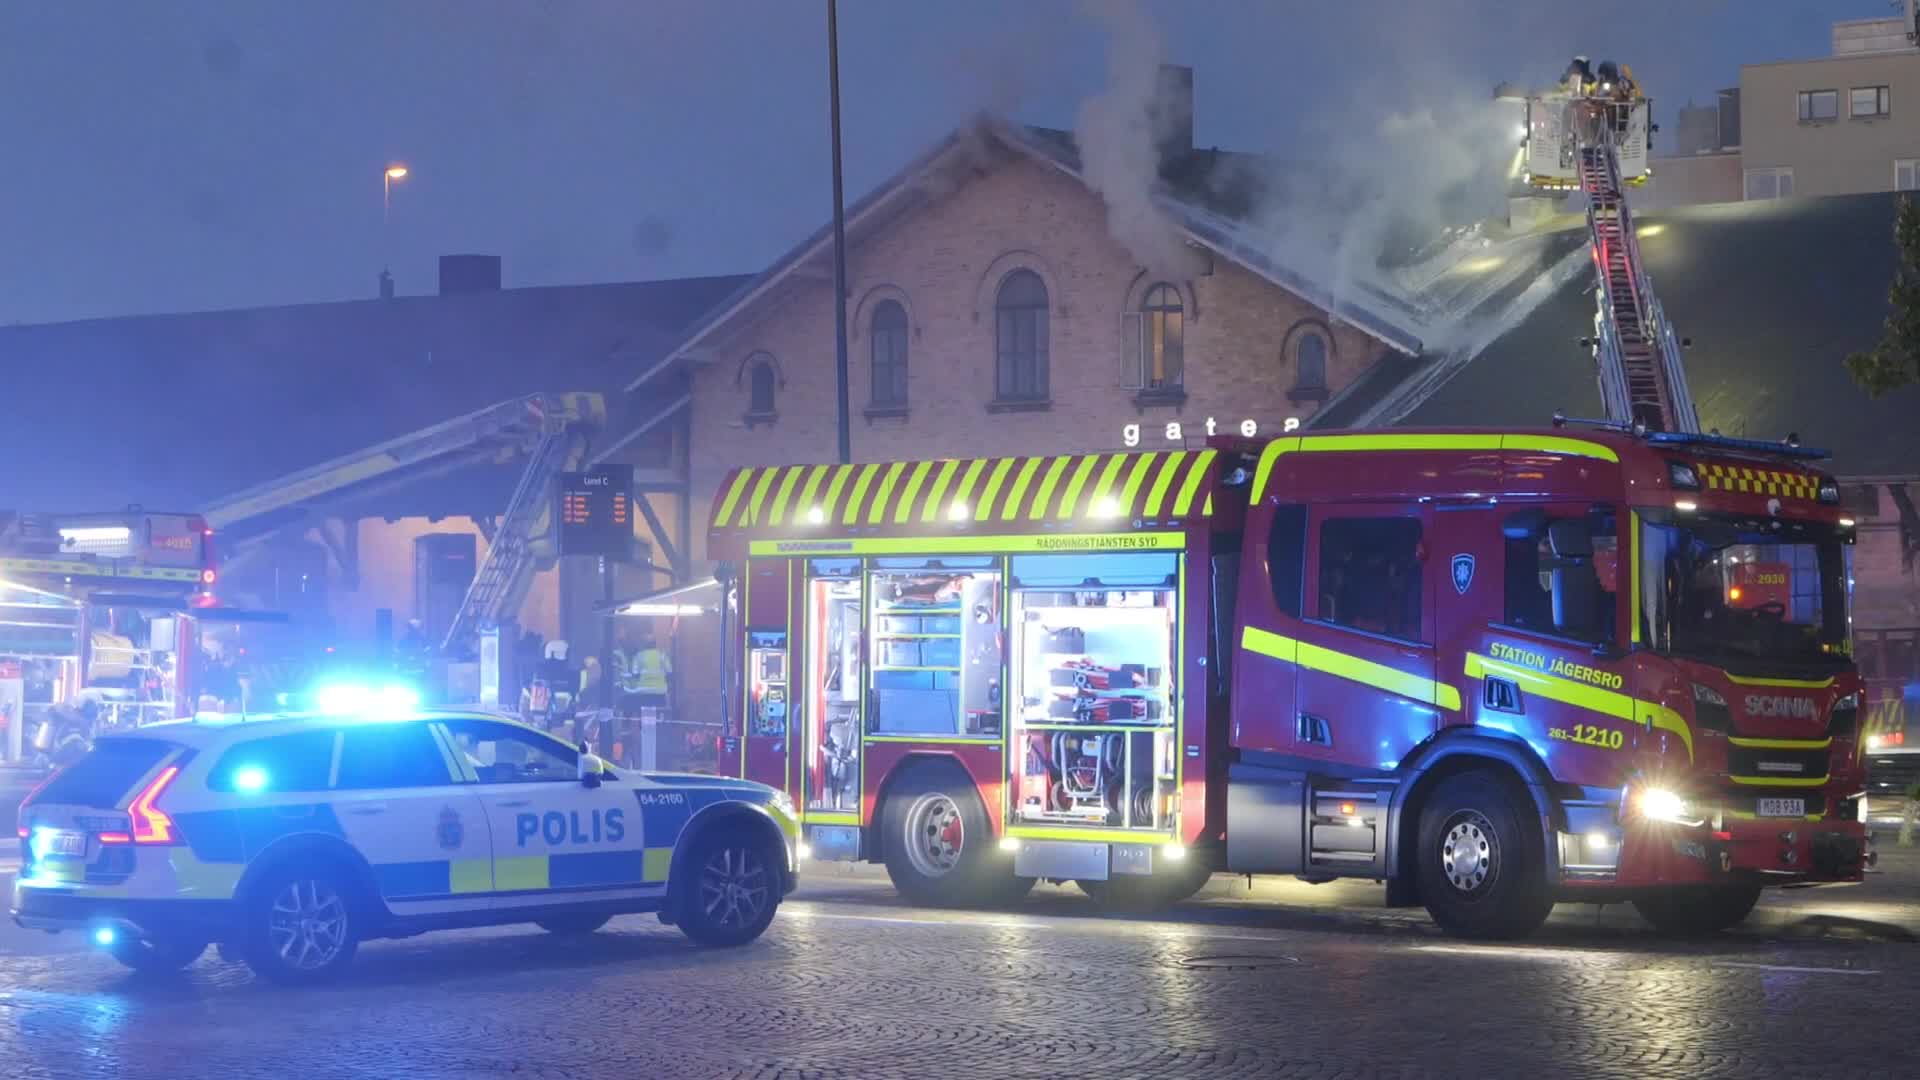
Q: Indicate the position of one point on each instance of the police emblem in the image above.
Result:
(451, 831)
(1462, 573)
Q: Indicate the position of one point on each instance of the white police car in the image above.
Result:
(292, 838)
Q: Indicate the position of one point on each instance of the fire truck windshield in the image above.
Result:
(1745, 594)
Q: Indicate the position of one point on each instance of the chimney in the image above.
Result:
(1172, 112)
(469, 274)
(386, 285)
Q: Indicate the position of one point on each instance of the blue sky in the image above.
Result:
(205, 154)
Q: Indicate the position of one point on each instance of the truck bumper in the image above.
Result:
(1769, 852)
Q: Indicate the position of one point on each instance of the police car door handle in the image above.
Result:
(513, 803)
(369, 808)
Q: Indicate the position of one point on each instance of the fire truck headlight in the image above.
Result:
(1659, 804)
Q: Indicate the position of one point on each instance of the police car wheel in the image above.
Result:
(735, 889)
(164, 954)
(1480, 859)
(302, 925)
(1699, 910)
(573, 923)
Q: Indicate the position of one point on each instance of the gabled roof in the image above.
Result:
(1773, 294)
(180, 410)
(1206, 194)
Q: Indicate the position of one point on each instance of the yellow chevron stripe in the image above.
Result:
(754, 513)
(791, 477)
(840, 475)
(1131, 490)
(932, 511)
(1044, 497)
(725, 517)
(967, 480)
(1169, 468)
(1202, 465)
(885, 490)
(1079, 480)
(804, 510)
(1020, 481)
(851, 513)
(1102, 491)
(919, 474)
(994, 480)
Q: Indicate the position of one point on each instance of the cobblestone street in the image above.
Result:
(1288, 980)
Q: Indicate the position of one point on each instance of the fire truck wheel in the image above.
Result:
(1698, 911)
(1479, 867)
(938, 847)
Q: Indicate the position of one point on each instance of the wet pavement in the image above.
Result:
(1280, 980)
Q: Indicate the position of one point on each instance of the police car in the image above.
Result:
(291, 838)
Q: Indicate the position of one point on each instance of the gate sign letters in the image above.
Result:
(595, 512)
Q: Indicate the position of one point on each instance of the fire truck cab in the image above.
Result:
(1494, 670)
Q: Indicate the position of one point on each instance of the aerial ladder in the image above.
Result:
(553, 431)
(1591, 135)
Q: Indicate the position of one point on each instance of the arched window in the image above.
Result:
(1162, 338)
(1310, 361)
(1020, 338)
(889, 333)
(762, 380)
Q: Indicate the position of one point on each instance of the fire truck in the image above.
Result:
(102, 605)
(1493, 670)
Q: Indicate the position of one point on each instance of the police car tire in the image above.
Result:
(982, 875)
(1698, 911)
(1483, 811)
(573, 923)
(165, 954)
(693, 917)
(264, 958)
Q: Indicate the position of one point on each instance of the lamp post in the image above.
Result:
(839, 233)
(395, 171)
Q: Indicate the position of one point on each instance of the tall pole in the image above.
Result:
(839, 234)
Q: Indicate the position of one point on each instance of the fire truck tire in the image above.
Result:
(938, 847)
(1698, 911)
(1480, 865)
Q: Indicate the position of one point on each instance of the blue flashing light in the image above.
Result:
(359, 698)
(104, 936)
(250, 779)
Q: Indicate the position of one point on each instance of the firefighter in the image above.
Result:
(1578, 77)
(645, 681)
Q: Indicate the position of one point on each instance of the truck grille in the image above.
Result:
(1761, 763)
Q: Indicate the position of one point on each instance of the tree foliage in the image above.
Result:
(1895, 361)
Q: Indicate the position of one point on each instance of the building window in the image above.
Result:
(1310, 349)
(1818, 105)
(1020, 338)
(1769, 183)
(1156, 341)
(1868, 101)
(763, 379)
(1906, 174)
(889, 332)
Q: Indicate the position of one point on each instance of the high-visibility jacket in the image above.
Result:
(644, 671)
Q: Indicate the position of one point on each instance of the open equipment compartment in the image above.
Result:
(1094, 678)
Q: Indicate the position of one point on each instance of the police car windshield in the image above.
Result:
(1746, 594)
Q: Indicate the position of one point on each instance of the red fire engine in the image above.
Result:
(1494, 670)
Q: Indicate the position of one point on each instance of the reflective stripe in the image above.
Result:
(1134, 477)
(756, 506)
(1169, 468)
(851, 513)
(967, 480)
(1798, 684)
(1045, 495)
(1111, 836)
(520, 873)
(1549, 444)
(994, 481)
(470, 876)
(1104, 489)
(1078, 481)
(805, 508)
(1634, 556)
(834, 486)
(932, 511)
(656, 863)
(880, 496)
(1313, 657)
(1781, 744)
(786, 491)
(1582, 696)
(1019, 492)
(725, 517)
(1779, 781)
(1201, 465)
(914, 479)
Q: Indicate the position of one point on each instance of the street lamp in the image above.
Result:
(394, 172)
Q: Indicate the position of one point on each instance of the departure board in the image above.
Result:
(595, 512)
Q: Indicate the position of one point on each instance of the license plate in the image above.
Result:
(1781, 807)
(66, 843)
